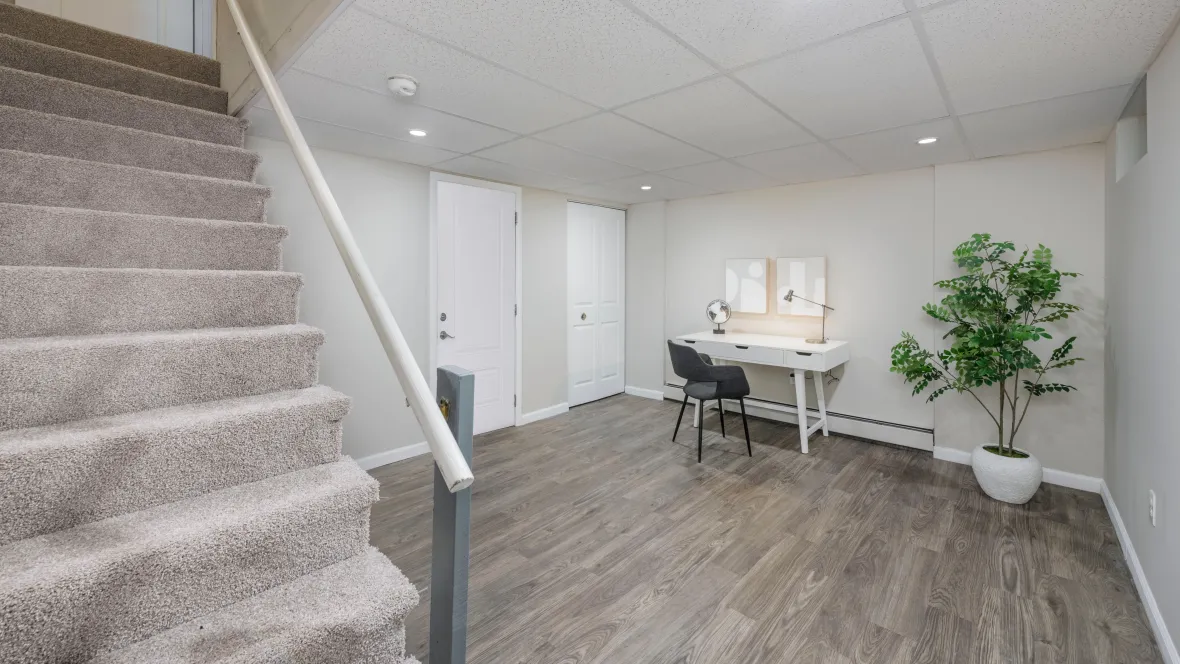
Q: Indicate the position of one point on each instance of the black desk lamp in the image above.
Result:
(824, 326)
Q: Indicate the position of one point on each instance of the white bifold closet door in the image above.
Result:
(597, 242)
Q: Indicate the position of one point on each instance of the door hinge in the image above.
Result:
(516, 310)
(514, 400)
(516, 218)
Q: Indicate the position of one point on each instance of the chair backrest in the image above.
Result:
(687, 363)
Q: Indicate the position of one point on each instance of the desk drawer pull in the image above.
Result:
(799, 352)
(687, 341)
(741, 347)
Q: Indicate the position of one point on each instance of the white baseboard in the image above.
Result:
(393, 456)
(1073, 480)
(544, 413)
(644, 392)
(1052, 475)
(952, 455)
(1162, 638)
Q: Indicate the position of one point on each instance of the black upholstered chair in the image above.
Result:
(706, 382)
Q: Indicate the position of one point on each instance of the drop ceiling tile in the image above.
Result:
(719, 116)
(321, 99)
(719, 176)
(540, 156)
(737, 32)
(871, 80)
(595, 50)
(806, 163)
(627, 190)
(364, 51)
(618, 139)
(1005, 52)
(265, 123)
(898, 149)
(487, 169)
(1045, 125)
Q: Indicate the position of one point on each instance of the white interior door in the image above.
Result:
(596, 260)
(477, 295)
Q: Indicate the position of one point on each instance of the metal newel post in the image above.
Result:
(451, 549)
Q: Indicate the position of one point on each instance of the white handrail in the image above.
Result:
(448, 456)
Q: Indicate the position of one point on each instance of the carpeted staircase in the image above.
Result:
(171, 485)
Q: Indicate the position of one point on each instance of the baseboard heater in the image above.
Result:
(791, 408)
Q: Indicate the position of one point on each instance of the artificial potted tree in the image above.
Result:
(995, 309)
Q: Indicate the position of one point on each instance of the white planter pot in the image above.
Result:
(1005, 478)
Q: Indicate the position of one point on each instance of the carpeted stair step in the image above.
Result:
(76, 301)
(60, 476)
(70, 237)
(350, 612)
(45, 133)
(37, 179)
(46, 29)
(81, 68)
(47, 94)
(104, 585)
(58, 379)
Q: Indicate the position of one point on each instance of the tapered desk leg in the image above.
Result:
(801, 400)
(696, 414)
(819, 397)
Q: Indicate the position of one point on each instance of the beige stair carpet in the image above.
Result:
(171, 483)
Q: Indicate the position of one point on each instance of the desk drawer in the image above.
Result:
(804, 360)
(739, 353)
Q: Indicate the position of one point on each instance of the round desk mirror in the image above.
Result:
(718, 312)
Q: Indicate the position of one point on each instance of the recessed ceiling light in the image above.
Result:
(646, 187)
(417, 132)
(928, 140)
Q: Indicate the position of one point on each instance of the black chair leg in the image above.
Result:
(749, 450)
(721, 416)
(681, 417)
(701, 432)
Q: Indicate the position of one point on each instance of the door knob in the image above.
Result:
(445, 335)
(583, 316)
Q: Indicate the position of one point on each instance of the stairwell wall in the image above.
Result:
(387, 206)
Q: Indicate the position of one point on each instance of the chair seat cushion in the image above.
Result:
(705, 391)
(726, 389)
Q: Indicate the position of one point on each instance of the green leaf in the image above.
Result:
(995, 313)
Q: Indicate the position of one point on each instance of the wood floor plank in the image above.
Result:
(900, 604)
(595, 538)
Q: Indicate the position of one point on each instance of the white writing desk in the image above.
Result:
(788, 352)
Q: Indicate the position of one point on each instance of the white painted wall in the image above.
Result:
(1142, 360)
(887, 238)
(167, 22)
(544, 362)
(876, 234)
(386, 204)
(1055, 198)
(645, 296)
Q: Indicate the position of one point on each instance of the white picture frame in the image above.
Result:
(808, 278)
(745, 284)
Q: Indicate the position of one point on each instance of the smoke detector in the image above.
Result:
(403, 86)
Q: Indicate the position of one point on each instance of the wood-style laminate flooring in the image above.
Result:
(595, 538)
